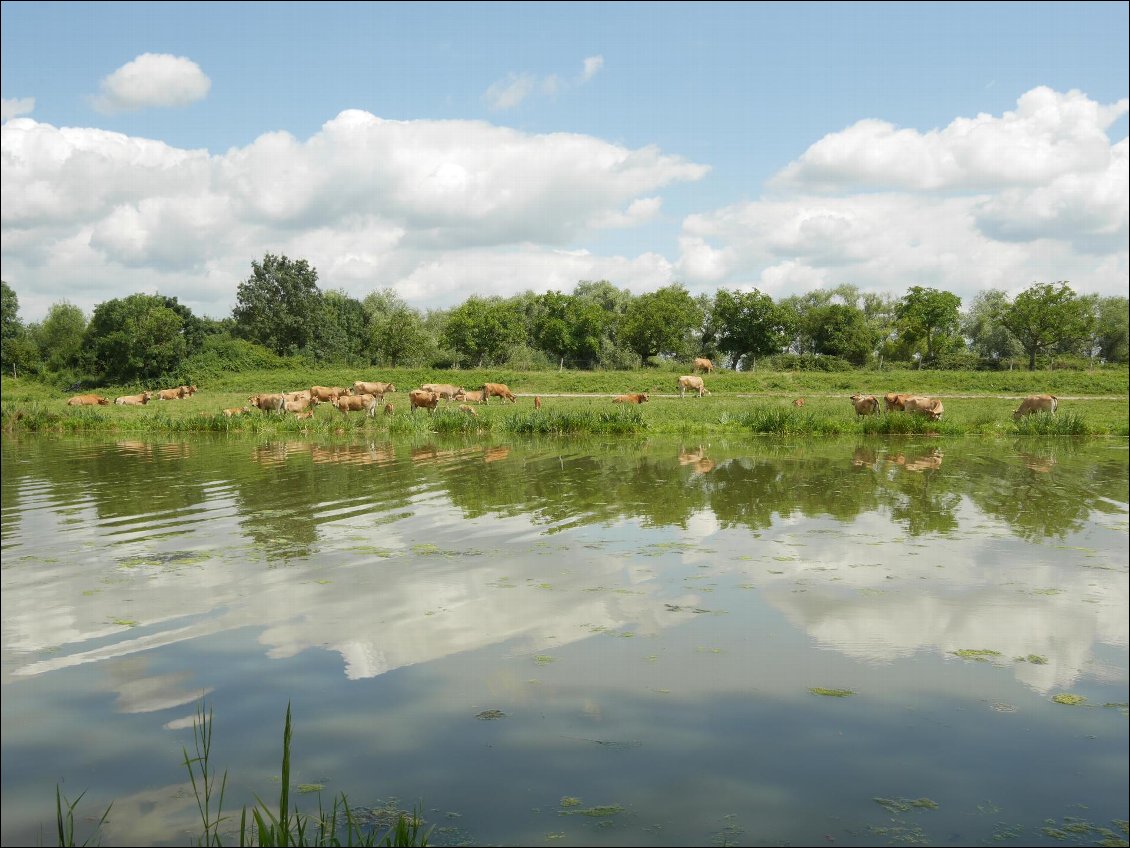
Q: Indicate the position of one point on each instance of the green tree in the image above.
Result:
(750, 325)
(481, 330)
(397, 335)
(661, 323)
(60, 336)
(981, 325)
(342, 334)
(929, 316)
(569, 327)
(1045, 317)
(1111, 330)
(280, 306)
(841, 330)
(17, 350)
(135, 338)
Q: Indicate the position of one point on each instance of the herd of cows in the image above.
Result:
(365, 397)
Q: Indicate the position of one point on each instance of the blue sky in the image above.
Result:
(449, 149)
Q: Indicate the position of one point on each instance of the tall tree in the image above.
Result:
(135, 338)
(342, 334)
(279, 305)
(60, 336)
(1111, 328)
(17, 350)
(661, 322)
(481, 330)
(397, 335)
(981, 325)
(569, 327)
(750, 324)
(1045, 317)
(928, 315)
(841, 330)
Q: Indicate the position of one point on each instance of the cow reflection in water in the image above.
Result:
(927, 462)
(702, 464)
(368, 454)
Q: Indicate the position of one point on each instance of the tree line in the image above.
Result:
(281, 312)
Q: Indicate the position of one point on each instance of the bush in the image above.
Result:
(804, 362)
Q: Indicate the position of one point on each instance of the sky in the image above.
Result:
(450, 149)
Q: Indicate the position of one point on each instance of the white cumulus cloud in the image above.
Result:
(12, 108)
(152, 79)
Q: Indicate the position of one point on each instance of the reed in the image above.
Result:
(289, 826)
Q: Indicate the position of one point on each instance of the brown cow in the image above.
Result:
(301, 395)
(1036, 403)
(297, 406)
(470, 397)
(378, 389)
(424, 398)
(470, 410)
(639, 397)
(303, 416)
(702, 364)
(388, 409)
(865, 404)
(357, 403)
(443, 390)
(189, 391)
(497, 390)
(693, 383)
(326, 394)
(895, 402)
(930, 407)
(134, 400)
(171, 394)
(268, 403)
(537, 402)
(88, 400)
(232, 411)
(798, 402)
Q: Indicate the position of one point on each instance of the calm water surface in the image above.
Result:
(650, 618)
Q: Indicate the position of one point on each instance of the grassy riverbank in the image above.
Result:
(976, 403)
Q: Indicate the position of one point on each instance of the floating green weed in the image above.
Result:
(904, 805)
(978, 654)
(1068, 699)
(831, 693)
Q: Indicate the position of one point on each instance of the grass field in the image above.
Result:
(1091, 403)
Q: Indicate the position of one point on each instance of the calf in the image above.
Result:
(1036, 403)
(88, 400)
(470, 410)
(443, 390)
(865, 404)
(233, 411)
(639, 397)
(171, 394)
(388, 409)
(798, 402)
(134, 400)
(470, 397)
(537, 402)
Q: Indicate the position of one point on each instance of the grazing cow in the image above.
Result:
(233, 411)
(639, 397)
(303, 416)
(88, 400)
(497, 390)
(302, 395)
(865, 404)
(298, 405)
(134, 400)
(388, 409)
(424, 398)
(1036, 403)
(930, 407)
(895, 402)
(357, 403)
(702, 364)
(443, 390)
(189, 391)
(378, 389)
(268, 403)
(171, 394)
(537, 402)
(470, 397)
(798, 402)
(470, 410)
(693, 383)
(326, 394)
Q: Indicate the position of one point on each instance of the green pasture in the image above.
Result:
(575, 402)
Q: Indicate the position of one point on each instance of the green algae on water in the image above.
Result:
(1068, 699)
(831, 693)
